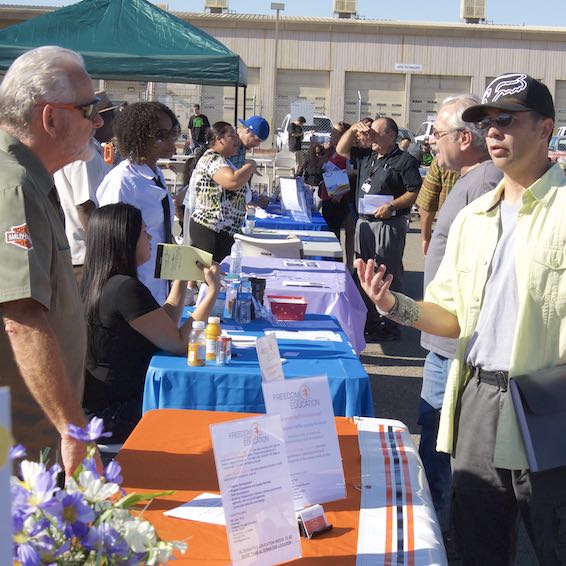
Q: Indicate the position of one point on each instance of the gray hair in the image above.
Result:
(39, 75)
(458, 104)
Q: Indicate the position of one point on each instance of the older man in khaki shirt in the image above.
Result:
(48, 114)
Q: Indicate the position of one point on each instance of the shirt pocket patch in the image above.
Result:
(547, 279)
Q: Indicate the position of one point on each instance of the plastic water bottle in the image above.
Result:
(197, 345)
(231, 298)
(250, 222)
(218, 308)
(243, 310)
(236, 259)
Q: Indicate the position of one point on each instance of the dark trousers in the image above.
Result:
(488, 500)
(335, 214)
(219, 244)
(383, 241)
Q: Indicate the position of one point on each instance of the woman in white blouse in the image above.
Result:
(145, 132)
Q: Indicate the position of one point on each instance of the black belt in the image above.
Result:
(498, 378)
(371, 218)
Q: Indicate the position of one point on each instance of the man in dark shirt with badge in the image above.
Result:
(388, 184)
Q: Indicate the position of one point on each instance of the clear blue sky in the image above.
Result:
(517, 12)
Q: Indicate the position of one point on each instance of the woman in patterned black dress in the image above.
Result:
(220, 194)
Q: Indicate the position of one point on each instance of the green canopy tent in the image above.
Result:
(129, 40)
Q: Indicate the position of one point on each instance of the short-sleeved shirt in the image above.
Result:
(136, 184)
(198, 126)
(76, 184)
(216, 208)
(295, 143)
(35, 263)
(436, 186)
(118, 355)
(394, 173)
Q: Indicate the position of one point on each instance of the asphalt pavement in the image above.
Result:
(396, 368)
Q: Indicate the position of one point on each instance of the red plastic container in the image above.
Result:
(288, 308)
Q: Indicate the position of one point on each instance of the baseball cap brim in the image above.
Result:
(479, 111)
(246, 125)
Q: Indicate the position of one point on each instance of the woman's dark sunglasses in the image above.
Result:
(171, 134)
(501, 121)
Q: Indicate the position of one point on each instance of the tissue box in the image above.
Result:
(288, 308)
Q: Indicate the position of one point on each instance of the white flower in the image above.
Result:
(96, 489)
(140, 535)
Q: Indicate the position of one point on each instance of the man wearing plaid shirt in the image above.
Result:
(434, 190)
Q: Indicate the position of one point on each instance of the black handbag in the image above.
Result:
(539, 399)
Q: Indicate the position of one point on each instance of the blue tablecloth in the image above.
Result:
(285, 222)
(170, 383)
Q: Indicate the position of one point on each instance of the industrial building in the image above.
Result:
(349, 67)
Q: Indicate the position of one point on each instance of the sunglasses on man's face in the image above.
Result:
(89, 110)
(500, 121)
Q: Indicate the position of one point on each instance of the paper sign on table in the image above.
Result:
(291, 194)
(253, 474)
(180, 262)
(368, 204)
(309, 335)
(269, 358)
(308, 423)
(206, 508)
(5, 471)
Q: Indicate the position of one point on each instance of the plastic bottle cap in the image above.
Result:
(198, 324)
(213, 320)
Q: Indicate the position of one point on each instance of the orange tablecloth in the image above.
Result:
(171, 449)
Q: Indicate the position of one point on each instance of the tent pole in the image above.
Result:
(236, 105)
(244, 108)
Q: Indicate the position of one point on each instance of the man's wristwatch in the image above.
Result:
(391, 207)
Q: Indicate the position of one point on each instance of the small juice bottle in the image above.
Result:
(212, 333)
(197, 345)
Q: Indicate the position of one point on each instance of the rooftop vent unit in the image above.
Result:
(216, 6)
(473, 11)
(345, 8)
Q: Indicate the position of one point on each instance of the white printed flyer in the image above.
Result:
(253, 475)
(313, 451)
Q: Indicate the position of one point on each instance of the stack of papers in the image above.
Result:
(311, 335)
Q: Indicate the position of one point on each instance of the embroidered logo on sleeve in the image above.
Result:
(19, 236)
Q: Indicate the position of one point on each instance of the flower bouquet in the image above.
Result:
(89, 522)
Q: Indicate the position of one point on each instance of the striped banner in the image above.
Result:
(398, 525)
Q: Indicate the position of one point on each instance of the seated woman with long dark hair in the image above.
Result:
(125, 324)
(220, 194)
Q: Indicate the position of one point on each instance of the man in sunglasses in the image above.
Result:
(48, 115)
(461, 150)
(77, 183)
(500, 291)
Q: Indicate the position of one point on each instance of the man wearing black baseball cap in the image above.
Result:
(501, 291)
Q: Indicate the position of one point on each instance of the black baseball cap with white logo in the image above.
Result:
(514, 92)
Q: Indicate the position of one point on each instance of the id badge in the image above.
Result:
(366, 186)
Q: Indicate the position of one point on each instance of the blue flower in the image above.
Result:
(91, 433)
(113, 472)
(17, 451)
(27, 555)
(77, 512)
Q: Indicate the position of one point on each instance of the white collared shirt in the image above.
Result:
(76, 184)
(134, 184)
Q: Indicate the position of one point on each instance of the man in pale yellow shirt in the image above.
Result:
(501, 291)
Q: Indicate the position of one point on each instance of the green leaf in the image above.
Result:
(134, 498)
